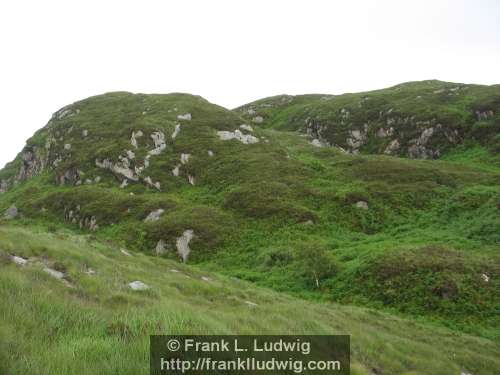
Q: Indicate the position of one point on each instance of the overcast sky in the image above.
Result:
(53, 53)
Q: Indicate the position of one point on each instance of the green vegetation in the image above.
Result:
(412, 238)
(101, 326)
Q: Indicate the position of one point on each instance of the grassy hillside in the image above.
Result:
(93, 323)
(423, 119)
(177, 178)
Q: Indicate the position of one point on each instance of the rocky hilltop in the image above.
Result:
(421, 120)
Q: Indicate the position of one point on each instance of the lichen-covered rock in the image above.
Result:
(54, 273)
(33, 163)
(121, 168)
(182, 244)
(130, 154)
(64, 112)
(356, 139)
(150, 183)
(134, 137)
(185, 158)
(18, 260)
(246, 127)
(161, 247)
(362, 205)
(159, 142)
(393, 147)
(176, 170)
(238, 135)
(93, 224)
(186, 117)
(138, 286)
(154, 216)
(258, 119)
(176, 131)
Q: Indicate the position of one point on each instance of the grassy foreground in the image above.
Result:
(100, 326)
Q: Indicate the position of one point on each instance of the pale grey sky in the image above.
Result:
(53, 53)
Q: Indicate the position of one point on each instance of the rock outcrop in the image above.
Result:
(154, 216)
(182, 244)
(238, 135)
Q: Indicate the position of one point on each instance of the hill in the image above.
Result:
(255, 194)
(422, 120)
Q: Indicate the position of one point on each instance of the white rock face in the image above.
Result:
(186, 117)
(67, 147)
(258, 119)
(183, 244)
(317, 143)
(150, 182)
(486, 278)
(362, 205)
(124, 184)
(392, 147)
(176, 170)
(154, 216)
(185, 158)
(11, 213)
(93, 224)
(176, 131)
(121, 168)
(57, 274)
(210, 153)
(130, 154)
(191, 179)
(246, 127)
(159, 141)
(133, 139)
(238, 135)
(85, 133)
(138, 285)
(18, 260)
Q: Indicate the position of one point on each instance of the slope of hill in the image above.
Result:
(92, 322)
(176, 177)
(416, 119)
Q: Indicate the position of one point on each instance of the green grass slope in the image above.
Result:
(95, 324)
(417, 238)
